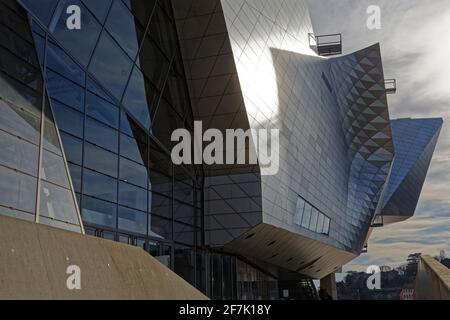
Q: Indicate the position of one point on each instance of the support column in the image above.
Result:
(329, 285)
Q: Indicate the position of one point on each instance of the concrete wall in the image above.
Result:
(34, 259)
(433, 280)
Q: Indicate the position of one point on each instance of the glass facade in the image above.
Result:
(116, 88)
(34, 176)
(86, 118)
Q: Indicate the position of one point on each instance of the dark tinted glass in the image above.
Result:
(101, 135)
(121, 25)
(132, 172)
(99, 212)
(75, 175)
(140, 98)
(111, 66)
(132, 220)
(133, 197)
(132, 149)
(65, 91)
(58, 61)
(80, 43)
(100, 160)
(68, 119)
(73, 148)
(43, 9)
(98, 7)
(102, 110)
(99, 186)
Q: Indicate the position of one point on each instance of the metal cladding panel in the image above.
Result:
(361, 97)
(336, 147)
(415, 141)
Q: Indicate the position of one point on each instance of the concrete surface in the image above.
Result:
(433, 280)
(34, 259)
(329, 284)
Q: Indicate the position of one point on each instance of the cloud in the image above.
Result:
(416, 51)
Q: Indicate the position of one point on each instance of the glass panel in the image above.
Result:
(141, 9)
(68, 119)
(153, 63)
(102, 135)
(20, 95)
(51, 141)
(165, 123)
(111, 66)
(99, 212)
(80, 43)
(65, 91)
(130, 149)
(122, 27)
(93, 87)
(183, 192)
(73, 148)
(40, 46)
(20, 70)
(100, 160)
(160, 183)
(75, 174)
(314, 217)
(98, 7)
(132, 172)
(176, 94)
(102, 110)
(57, 203)
(183, 213)
(17, 190)
(58, 61)
(132, 220)
(43, 9)
(162, 31)
(306, 216)
(320, 223)
(18, 154)
(183, 233)
(53, 169)
(125, 123)
(162, 227)
(19, 122)
(99, 186)
(140, 98)
(299, 211)
(133, 197)
(326, 226)
(160, 205)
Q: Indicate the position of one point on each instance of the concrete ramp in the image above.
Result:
(34, 260)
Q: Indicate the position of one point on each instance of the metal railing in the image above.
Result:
(391, 86)
(326, 45)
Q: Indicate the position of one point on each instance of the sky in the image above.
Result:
(415, 47)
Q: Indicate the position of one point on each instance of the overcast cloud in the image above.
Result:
(415, 44)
